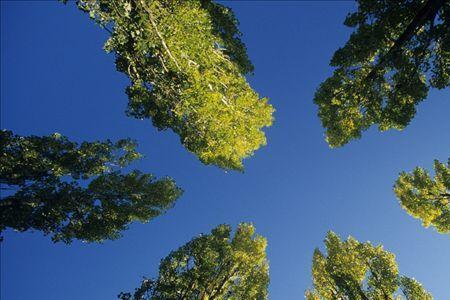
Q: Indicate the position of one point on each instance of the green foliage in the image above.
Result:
(413, 289)
(34, 157)
(215, 266)
(426, 198)
(187, 68)
(399, 49)
(43, 174)
(359, 271)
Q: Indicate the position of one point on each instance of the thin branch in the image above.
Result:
(163, 42)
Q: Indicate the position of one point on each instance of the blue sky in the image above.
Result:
(55, 77)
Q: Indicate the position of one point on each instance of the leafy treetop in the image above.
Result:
(427, 198)
(187, 67)
(359, 271)
(214, 266)
(41, 188)
(399, 49)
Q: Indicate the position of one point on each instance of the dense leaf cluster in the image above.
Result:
(359, 271)
(426, 198)
(214, 266)
(187, 68)
(399, 49)
(42, 177)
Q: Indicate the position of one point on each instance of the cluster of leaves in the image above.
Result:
(426, 198)
(399, 49)
(359, 271)
(42, 176)
(214, 266)
(187, 67)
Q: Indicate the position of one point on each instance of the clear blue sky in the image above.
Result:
(55, 77)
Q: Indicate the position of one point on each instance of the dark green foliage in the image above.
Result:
(187, 67)
(215, 266)
(42, 176)
(398, 51)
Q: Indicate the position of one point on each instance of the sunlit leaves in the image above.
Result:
(187, 67)
(399, 49)
(359, 271)
(427, 198)
(42, 188)
(214, 266)
(412, 289)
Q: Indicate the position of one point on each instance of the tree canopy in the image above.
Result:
(214, 266)
(426, 198)
(398, 51)
(187, 66)
(42, 187)
(359, 271)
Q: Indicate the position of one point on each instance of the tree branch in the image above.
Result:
(425, 14)
(152, 21)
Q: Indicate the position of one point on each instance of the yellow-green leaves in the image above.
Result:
(412, 289)
(187, 67)
(399, 49)
(426, 198)
(358, 271)
(214, 266)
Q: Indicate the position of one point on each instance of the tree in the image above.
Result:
(215, 266)
(359, 271)
(41, 182)
(398, 51)
(187, 67)
(426, 198)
